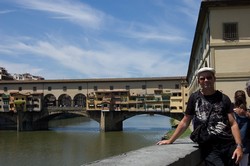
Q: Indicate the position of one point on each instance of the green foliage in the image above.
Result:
(19, 102)
(170, 133)
(174, 124)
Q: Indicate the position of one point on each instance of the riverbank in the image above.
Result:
(174, 123)
(170, 132)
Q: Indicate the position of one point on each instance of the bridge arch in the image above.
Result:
(53, 115)
(136, 113)
(64, 100)
(49, 100)
(79, 100)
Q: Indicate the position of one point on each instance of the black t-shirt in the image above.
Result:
(218, 124)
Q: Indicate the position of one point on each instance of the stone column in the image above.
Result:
(20, 111)
(109, 122)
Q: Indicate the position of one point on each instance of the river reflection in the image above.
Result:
(73, 142)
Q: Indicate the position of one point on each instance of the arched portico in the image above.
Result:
(79, 100)
(64, 100)
(49, 100)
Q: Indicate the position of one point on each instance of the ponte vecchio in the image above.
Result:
(30, 104)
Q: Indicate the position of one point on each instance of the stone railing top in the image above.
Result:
(181, 153)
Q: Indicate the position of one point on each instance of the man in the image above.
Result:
(225, 146)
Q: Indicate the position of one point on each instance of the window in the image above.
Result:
(95, 88)
(79, 87)
(64, 88)
(34, 89)
(143, 87)
(177, 86)
(49, 88)
(160, 87)
(127, 87)
(20, 89)
(111, 87)
(230, 31)
(5, 89)
(174, 94)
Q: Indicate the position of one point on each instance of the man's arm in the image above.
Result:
(183, 125)
(238, 153)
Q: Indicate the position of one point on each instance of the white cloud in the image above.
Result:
(189, 8)
(109, 60)
(118, 49)
(84, 15)
(160, 32)
(74, 11)
(6, 11)
(19, 68)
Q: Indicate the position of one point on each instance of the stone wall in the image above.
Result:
(181, 153)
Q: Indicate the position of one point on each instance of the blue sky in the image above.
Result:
(78, 39)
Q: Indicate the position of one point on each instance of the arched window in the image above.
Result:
(79, 100)
(49, 100)
(64, 101)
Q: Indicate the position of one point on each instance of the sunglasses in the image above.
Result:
(203, 78)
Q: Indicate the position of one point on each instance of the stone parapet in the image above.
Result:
(182, 153)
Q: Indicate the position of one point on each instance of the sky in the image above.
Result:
(81, 39)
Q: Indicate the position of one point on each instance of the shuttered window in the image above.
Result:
(230, 31)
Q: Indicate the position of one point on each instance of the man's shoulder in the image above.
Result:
(195, 95)
(225, 100)
(223, 95)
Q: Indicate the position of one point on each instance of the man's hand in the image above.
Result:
(164, 142)
(238, 153)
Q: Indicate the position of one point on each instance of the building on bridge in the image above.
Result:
(120, 94)
(4, 75)
(222, 41)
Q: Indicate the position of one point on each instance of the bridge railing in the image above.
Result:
(51, 109)
(54, 108)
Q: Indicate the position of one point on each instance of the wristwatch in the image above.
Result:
(239, 145)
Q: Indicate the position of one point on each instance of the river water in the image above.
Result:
(77, 141)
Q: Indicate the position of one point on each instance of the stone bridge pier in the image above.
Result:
(23, 121)
(113, 120)
(108, 122)
(31, 121)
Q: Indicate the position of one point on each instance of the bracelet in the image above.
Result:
(239, 145)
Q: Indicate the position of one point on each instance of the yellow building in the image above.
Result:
(118, 94)
(222, 41)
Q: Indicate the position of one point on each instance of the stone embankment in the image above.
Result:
(181, 153)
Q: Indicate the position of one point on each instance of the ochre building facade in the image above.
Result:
(119, 94)
(222, 41)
